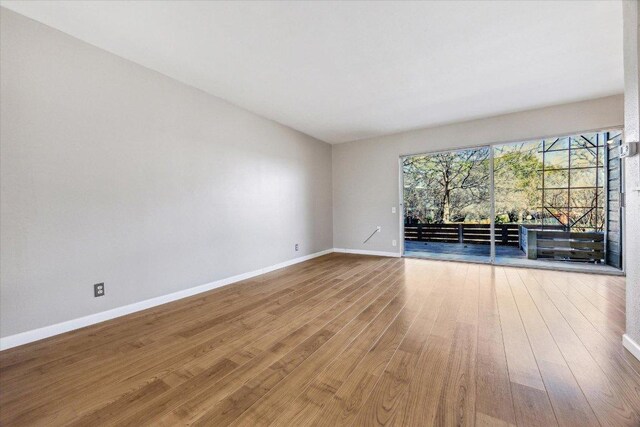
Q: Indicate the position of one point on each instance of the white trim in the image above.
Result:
(631, 345)
(363, 252)
(401, 207)
(81, 322)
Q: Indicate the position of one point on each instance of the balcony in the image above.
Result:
(471, 242)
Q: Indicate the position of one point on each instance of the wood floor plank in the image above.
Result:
(281, 337)
(223, 334)
(522, 365)
(530, 398)
(328, 381)
(426, 386)
(484, 420)
(180, 351)
(178, 321)
(493, 387)
(345, 340)
(602, 343)
(601, 321)
(569, 403)
(86, 339)
(591, 291)
(349, 396)
(458, 397)
(532, 406)
(201, 402)
(606, 319)
(337, 334)
(603, 396)
(390, 393)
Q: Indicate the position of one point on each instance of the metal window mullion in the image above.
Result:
(605, 184)
(597, 178)
(569, 189)
(544, 161)
(492, 209)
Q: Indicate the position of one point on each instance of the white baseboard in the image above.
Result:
(70, 325)
(363, 252)
(631, 345)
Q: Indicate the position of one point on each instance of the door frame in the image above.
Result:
(492, 258)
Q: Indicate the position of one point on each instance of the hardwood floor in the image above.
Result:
(345, 340)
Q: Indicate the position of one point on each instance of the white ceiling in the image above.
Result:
(342, 71)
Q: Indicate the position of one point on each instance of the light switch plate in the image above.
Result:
(628, 149)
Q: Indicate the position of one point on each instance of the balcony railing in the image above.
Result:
(551, 243)
(506, 234)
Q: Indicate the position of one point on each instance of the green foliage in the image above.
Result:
(517, 180)
(447, 187)
(454, 186)
(503, 219)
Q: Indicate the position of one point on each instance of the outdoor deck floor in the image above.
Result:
(505, 255)
(458, 251)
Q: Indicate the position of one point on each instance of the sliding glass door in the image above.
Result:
(548, 202)
(447, 205)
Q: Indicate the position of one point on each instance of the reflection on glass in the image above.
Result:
(556, 160)
(556, 179)
(561, 143)
(584, 157)
(556, 198)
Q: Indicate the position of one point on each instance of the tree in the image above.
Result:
(447, 187)
(517, 181)
(454, 186)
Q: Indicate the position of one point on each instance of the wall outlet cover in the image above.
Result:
(98, 290)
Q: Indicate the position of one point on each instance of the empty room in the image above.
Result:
(319, 213)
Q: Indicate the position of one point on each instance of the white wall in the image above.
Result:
(113, 173)
(365, 173)
(632, 169)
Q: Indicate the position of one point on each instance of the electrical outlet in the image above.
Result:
(378, 229)
(297, 247)
(393, 209)
(394, 243)
(98, 290)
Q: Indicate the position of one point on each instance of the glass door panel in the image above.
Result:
(553, 193)
(555, 202)
(447, 205)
